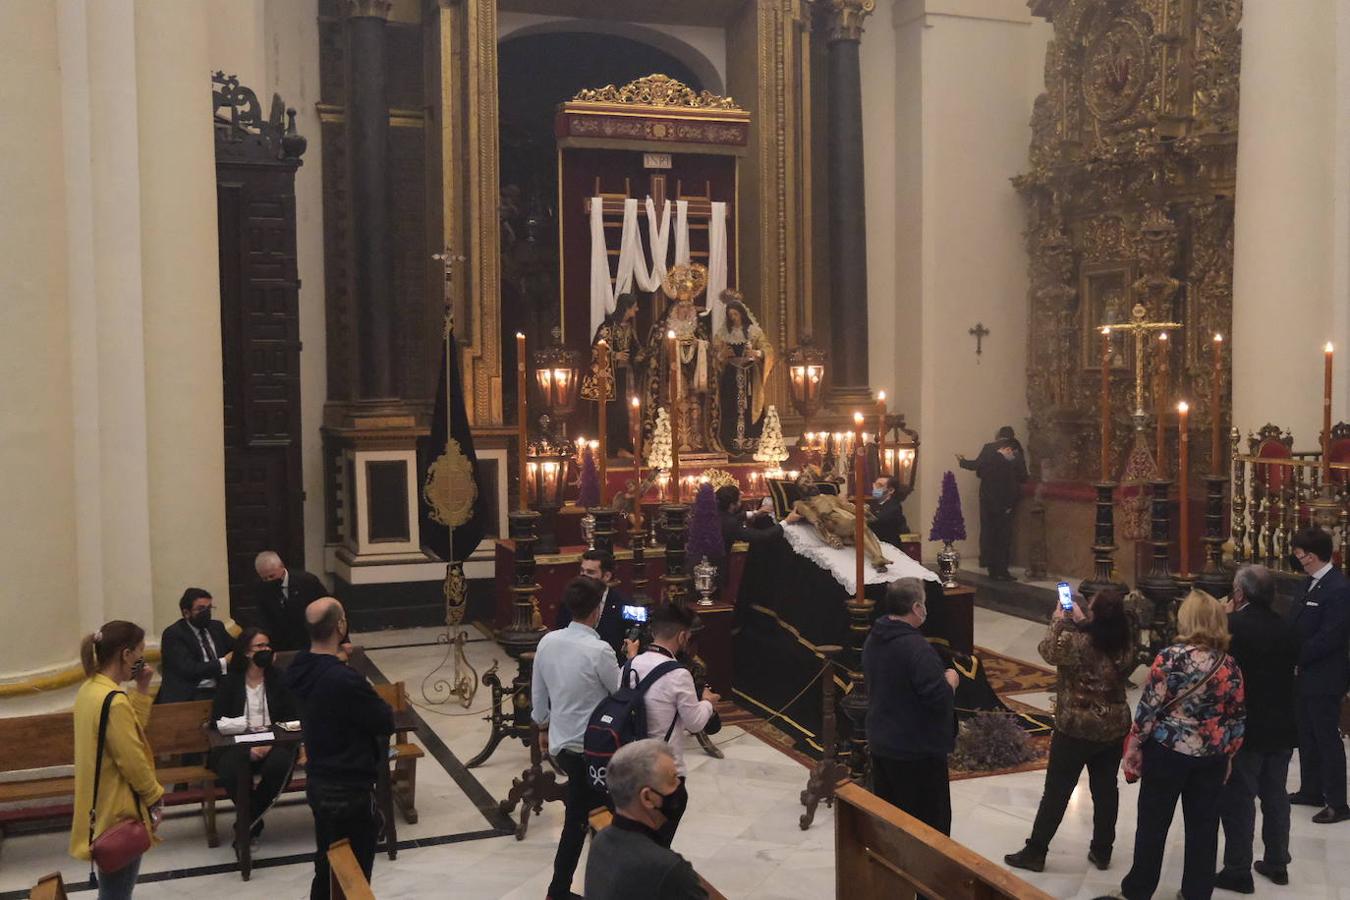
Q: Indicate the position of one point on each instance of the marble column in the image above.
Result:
(847, 217)
(368, 145)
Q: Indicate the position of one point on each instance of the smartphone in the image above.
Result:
(137, 668)
(634, 613)
(1065, 596)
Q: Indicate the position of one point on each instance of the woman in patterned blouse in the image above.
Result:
(1189, 722)
(1093, 649)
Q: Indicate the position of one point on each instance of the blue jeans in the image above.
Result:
(119, 885)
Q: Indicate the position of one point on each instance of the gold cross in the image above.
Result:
(1140, 329)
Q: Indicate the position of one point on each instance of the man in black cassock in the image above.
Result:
(1001, 468)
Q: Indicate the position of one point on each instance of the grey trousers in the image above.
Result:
(1256, 774)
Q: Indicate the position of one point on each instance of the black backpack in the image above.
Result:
(621, 719)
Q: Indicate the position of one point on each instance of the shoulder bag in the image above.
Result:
(123, 842)
(1132, 760)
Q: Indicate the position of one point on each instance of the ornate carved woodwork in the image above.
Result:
(256, 159)
(1130, 185)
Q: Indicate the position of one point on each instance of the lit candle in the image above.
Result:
(1216, 455)
(1158, 402)
(860, 453)
(881, 431)
(859, 464)
(674, 415)
(1106, 404)
(1183, 494)
(604, 387)
(522, 417)
(635, 427)
(1326, 417)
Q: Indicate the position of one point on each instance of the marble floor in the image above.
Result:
(740, 832)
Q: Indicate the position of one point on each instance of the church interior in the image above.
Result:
(764, 306)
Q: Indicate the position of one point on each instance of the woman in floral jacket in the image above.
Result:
(1187, 728)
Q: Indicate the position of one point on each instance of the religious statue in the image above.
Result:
(836, 522)
(626, 354)
(679, 368)
(744, 359)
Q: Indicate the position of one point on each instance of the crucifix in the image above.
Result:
(1141, 329)
(979, 332)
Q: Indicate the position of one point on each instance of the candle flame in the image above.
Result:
(881, 395)
(1328, 348)
(519, 336)
(1162, 336)
(670, 334)
(857, 418)
(1218, 338)
(1183, 407)
(1106, 330)
(635, 402)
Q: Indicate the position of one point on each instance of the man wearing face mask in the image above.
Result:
(911, 712)
(251, 697)
(884, 514)
(196, 651)
(673, 706)
(628, 858)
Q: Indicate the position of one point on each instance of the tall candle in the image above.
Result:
(1326, 416)
(604, 387)
(635, 427)
(1216, 455)
(881, 432)
(674, 415)
(1106, 404)
(859, 463)
(1183, 493)
(522, 417)
(1158, 404)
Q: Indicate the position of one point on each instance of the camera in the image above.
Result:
(638, 629)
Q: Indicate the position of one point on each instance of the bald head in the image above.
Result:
(324, 618)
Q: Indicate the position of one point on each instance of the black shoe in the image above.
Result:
(1235, 881)
(1298, 799)
(1330, 816)
(1026, 858)
(1277, 874)
(1100, 860)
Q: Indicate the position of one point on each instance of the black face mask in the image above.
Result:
(199, 619)
(673, 804)
(262, 659)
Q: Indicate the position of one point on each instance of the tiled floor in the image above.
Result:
(740, 832)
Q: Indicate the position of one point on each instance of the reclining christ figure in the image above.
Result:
(836, 520)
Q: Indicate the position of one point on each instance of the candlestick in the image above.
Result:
(859, 461)
(1158, 404)
(881, 432)
(603, 388)
(1183, 482)
(1326, 417)
(674, 415)
(1106, 404)
(522, 418)
(1216, 455)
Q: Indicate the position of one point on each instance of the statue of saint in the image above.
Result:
(744, 359)
(836, 521)
(626, 355)
(678, 374)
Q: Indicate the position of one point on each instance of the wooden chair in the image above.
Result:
(346, 881)
(49, 887)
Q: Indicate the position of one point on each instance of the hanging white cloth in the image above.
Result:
(717, 263)
(681, 232)
(602, 292)
(658, 235)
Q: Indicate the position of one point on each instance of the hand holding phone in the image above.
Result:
(1065, 597)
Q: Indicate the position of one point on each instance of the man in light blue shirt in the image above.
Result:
(573, 671)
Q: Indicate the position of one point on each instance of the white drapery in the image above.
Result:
(717, 264)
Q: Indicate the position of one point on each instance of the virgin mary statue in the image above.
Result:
(744, 359)
(679, 374)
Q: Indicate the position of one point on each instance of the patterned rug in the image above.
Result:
(1008, 677)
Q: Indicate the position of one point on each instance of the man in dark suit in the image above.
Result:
(1266, 648)
(281, 599)
(884, 514)
(599, 564)
(1321, 613)
(1001, 468)
(195, 650)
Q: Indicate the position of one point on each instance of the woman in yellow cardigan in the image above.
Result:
(127, 787)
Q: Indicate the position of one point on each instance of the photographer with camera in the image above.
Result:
(672, 703)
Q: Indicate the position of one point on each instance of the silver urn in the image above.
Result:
(948, 561)
(705, 581)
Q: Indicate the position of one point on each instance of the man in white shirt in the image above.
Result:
(673, 706)
(573, 671)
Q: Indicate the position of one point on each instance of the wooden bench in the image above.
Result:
(346, 881)
(403, 778)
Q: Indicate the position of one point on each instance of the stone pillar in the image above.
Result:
(368, 144)
(847, 216)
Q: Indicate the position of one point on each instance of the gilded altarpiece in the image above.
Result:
(1130, 201)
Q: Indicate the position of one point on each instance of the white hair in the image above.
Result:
(633, 768)
(266, 560)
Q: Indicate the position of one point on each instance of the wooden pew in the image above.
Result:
(881, 851)
(49, 887)
(346, 881)
(403, 778)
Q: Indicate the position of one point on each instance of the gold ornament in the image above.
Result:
(685, 283)
(450, 489)
(656, 90)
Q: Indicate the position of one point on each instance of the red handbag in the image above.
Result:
(118, 845)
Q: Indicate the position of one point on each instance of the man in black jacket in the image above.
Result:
(911, 725)
(1001, 468)
(599, 564)
(1321, 613)
(195, 650)
(627, 858)
(1266, 648)
(347, 728)
(884, 513)
(280, 600)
